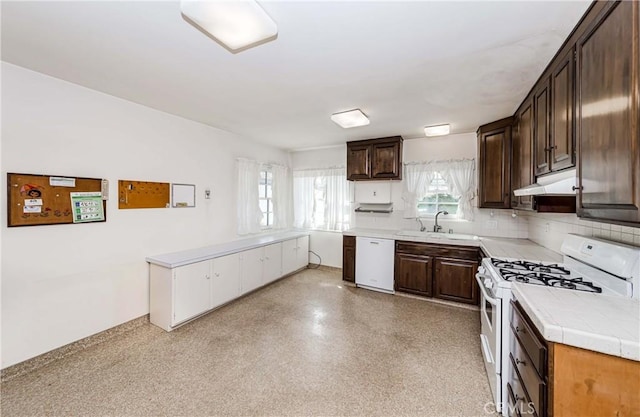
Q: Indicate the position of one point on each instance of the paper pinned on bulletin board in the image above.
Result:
(87, 207)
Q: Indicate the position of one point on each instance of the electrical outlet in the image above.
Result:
(491, 224)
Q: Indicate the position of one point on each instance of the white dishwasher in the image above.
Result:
(374, 264)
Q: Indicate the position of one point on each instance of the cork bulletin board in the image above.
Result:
(34, 200)
(143, 194)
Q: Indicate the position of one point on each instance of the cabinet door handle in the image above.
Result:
(518, 362)
(217, 274)
(207, 276)
(550, 148)
(519, 330)
(574, 188)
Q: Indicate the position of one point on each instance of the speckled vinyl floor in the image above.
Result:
(304, 346)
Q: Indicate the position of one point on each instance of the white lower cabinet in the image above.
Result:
(295, 254)
(191, 291)
(181, 293)
(225, 285)
(251, 269)
(272, 265)
(260, 266)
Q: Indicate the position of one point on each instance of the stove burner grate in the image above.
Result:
(541, 278)
(530, 266)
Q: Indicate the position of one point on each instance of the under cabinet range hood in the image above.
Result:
(560, 183)
(375, 208)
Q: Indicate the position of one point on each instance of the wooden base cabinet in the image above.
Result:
(349, 258)
(446, 272)
(413, 274)
(557, 380)
(455, 280)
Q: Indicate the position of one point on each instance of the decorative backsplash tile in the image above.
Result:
(549, 229)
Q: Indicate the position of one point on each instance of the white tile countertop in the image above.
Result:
(186, 257)
(492, 246)
(597, 322)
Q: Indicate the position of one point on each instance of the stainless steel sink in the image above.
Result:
(433, 235)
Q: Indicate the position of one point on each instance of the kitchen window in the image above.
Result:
(265, 198)
(321, 199)
(438, 198)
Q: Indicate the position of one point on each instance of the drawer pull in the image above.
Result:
(518, 362)
(520, 329)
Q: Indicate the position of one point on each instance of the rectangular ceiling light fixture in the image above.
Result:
(236, 25)
(351, 118)
(438, 130)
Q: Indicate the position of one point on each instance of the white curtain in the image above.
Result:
(417, 177)
(281, 196)
(321, 199)
(249, 214)
(461, 177)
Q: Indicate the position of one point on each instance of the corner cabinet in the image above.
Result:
(608, 118)
(181, 293)
(375, 159)
(494, 151)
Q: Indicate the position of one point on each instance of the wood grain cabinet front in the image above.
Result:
(521, 155)
(494, 156)
(375, 159)
(441, 271)
(349, 258)
(455, 280)
(608, 118)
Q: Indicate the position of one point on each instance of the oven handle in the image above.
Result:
(493, 301)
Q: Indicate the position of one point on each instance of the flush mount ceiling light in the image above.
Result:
(351, 118)
(236, 25)
(438, 130)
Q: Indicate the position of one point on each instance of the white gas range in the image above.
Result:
(590, 264)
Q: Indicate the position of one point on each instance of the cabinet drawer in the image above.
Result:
(533, 384)
(349, 241)
(524, 406)
(512, 407)
(441, 251)
(532, 345)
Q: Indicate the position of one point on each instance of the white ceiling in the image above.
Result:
(405, 64)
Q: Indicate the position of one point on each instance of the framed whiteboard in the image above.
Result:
(183, 195)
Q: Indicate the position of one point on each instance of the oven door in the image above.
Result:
(490, 335)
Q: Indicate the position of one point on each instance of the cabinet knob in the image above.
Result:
(207, 276)
(519, 330)
(217, 274)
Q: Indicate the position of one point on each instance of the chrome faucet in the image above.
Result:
(422, 228)
(436, 227)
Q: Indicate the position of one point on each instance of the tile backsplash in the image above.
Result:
(546, 229)
(549, 229)
(495, 223)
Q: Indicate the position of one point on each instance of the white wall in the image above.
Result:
(65, 282)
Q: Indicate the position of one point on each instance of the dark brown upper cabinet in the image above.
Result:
(562, 144)
(541, 128)
(607, 115)
(375, 159)
(521, 154)
(494, 151)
